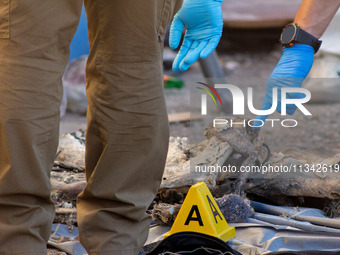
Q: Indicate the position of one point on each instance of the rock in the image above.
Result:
(178, 147)
(71, 151)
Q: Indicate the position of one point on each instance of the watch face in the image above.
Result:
(288, 34)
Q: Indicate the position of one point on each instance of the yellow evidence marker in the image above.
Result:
(200, 213)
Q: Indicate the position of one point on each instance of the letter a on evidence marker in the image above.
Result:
(200, 213)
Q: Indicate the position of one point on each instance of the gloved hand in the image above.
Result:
(293, 67)
(204, 22)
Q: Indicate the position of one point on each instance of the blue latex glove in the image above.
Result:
(204, 22)
(293, 67)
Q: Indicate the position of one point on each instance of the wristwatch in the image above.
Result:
(293, 34)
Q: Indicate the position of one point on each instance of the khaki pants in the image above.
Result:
(127, 135)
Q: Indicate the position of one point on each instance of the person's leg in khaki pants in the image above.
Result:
(127, 135)
(34, 42)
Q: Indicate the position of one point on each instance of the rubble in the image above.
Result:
(224, 146)
(66, 186)
(242, 145)
(71, 151)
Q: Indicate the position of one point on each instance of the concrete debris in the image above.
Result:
(71, 151)
(178, 150)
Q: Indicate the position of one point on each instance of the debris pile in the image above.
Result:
(224, 145)
(310, 176)
(71, 151)
(68, 177)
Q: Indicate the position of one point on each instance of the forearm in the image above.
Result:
(315, 15)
